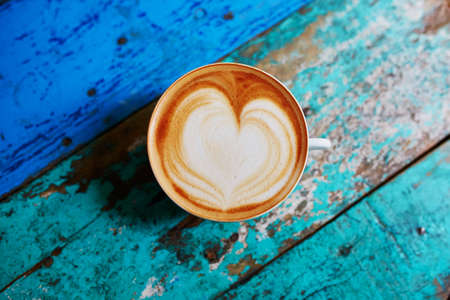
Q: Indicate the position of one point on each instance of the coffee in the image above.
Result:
(227, 142)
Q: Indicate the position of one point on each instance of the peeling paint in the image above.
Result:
(244, 267)
(353, 257)
(152, 289)
(438, 17)
(376, 91)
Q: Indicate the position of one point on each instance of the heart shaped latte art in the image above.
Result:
(223, 159)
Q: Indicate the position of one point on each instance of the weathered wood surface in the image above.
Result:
(71, 69)
(372, 77)
(393, 245)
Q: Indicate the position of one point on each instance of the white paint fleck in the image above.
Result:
(243, 233)
(121, 228)
(307, 96)
(152, 289)
(329, 89)
(412, 10)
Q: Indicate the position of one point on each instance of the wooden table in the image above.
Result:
(368, 220)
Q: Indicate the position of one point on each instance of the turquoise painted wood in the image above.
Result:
(393, 245)
(71, 69)
(379, 92)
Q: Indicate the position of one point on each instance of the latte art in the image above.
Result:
(223, 161)
(228, 141)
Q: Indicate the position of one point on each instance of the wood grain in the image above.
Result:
(392, 245)
(368, 76)
(70, 70)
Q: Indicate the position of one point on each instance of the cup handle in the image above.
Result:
(319, 144)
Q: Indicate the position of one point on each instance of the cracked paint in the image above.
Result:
(376, 91)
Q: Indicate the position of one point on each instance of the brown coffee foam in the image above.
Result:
(240, 84)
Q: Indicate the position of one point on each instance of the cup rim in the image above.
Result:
(180, 203)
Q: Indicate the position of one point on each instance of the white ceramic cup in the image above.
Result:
(155, 159)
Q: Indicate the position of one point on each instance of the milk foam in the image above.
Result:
(224, 161)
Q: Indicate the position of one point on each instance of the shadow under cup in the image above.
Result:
(241, 86)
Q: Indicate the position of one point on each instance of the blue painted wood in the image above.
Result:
(70, 69)
(393, 245)
(100, 214)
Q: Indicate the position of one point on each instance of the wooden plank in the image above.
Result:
(379, 91)
(70, 70)
(393, 245)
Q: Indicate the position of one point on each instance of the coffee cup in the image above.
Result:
(228, 142)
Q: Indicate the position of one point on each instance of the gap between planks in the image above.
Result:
(390, 178)
(48, 260)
